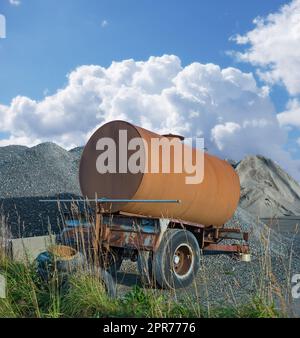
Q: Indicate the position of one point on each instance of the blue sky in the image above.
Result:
(46, 39)
(49, 39)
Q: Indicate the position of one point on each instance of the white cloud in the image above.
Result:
(274, 47)
(290, 117)
(223, 132)
(104, 23)
(15, 2)
(226, 106)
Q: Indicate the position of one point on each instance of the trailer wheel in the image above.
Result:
(103, 277)
(177, 260)
(145, 268)
(111, 261)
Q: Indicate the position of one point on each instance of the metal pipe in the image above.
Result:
(109, 200)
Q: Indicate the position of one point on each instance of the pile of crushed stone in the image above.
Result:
(43, 170)
(266, 189)
(28, 175)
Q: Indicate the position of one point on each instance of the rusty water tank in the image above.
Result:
(211, 202)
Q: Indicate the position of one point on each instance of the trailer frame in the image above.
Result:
(126, 237)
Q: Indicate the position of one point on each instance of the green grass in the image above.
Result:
(86, 297)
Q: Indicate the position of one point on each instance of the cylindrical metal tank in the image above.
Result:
(211, 202)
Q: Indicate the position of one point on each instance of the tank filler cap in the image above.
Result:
(180, 137)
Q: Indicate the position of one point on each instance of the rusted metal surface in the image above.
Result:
(127, 232)
(226, 249)
(79, 237)
(109, 185)
(211, 202)
(213, 234)
(232, 233)
(211, 239)
(136, 232)
(135, 240)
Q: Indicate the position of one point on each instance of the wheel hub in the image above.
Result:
(183, 260)
(176, 259)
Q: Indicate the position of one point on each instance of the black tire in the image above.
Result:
(111, 261)
(48, 263)
(47, 269)
(145, 268)
(177, 260)
(48, 273)
(45, 266)
(104, 277)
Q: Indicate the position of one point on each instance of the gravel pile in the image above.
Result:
(76, 152)
(11, 153)
(266, 189)
(28, 216)
(43, 170)
(30, 174)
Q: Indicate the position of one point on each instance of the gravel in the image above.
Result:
(30, 174)
(274, 261)
(43, 170)
(11, 153)
(76, 152)
(266, 189)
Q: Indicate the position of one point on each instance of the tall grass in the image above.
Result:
(86, 297)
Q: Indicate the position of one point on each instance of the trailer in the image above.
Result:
(156, 219)
(167, 251)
